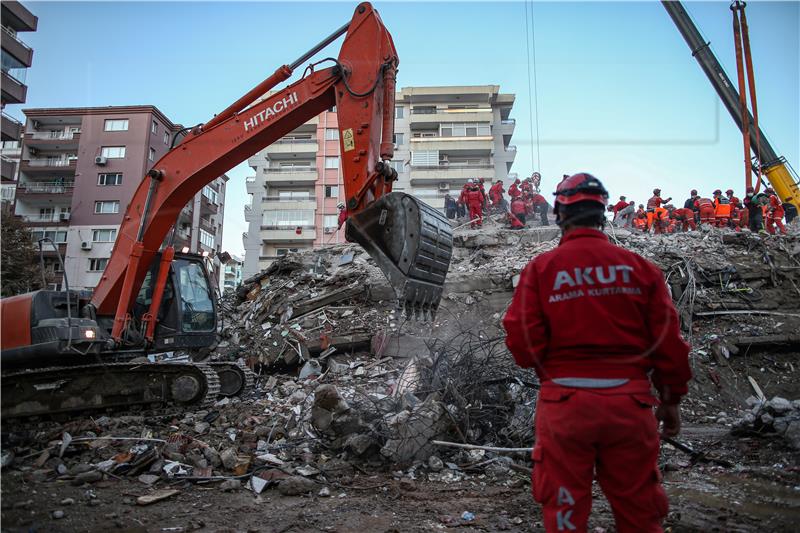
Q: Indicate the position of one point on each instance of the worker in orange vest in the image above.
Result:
(722, 210)
(653, 204)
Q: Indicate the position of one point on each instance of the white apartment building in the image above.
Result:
(443, 136)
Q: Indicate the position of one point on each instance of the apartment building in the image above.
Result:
(232, 273)
(443, 136)
(78, 172)
(17, 57)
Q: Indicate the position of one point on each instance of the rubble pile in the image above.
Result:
(776, 417)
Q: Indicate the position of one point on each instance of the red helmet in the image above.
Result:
(693, 193)
(717, 191)
(579, 187)
(656, 191)
(729, 191)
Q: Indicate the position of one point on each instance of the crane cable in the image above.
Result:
(533, 100)
(742, 47)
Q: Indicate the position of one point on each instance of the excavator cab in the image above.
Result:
(187, 316)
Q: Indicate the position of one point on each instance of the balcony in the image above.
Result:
(11, 128)
(42, 165)
(506, 127)
(18, 17)
(290, 176)
(426, 119)
(292, 148)
(7, 194)
(45, 188)
(278, 202)
(8, 169)
(53, 140)
(207, 225)
(14, 91)
(428, 174)
(207, 206)
(272, 234)
(455, 145)
(16, 48)
(46, 220)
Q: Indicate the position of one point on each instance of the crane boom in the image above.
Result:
(774, 166)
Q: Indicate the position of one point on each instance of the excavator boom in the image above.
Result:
(361, 84)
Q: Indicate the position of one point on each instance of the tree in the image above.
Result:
(19, 260)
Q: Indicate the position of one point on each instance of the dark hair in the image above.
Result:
(586, 213)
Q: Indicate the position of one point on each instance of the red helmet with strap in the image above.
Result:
(580, 187)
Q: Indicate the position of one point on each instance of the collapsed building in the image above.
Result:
(344, 379)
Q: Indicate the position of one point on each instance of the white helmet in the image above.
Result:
(470, 180)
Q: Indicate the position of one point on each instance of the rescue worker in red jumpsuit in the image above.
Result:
(775, 213)
(496, 195)
(622, 204)
(342, 214)
(540, 206)
(475, 198)
(595, 320)
(685, 217)
(518, 208)
(514, 191)
(640, 219)
(736, 210)
(706, 208)
(526, 187)
(654, 209)
(483, 192)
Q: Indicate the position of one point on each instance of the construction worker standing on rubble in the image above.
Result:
(595, 320)
(474, 200)
(722, 209)
(655, 211)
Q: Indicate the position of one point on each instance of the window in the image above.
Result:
(152, 154)
(330, 221)
(206, 238)
(116, 125)
(398, 112)
(166, 138)
(425, 158)
(331, 191)
(396, 165)
(104, 235)
(109, 179)
(399, 138)
(331, 134)
(280, 252)
(332, 110)
(290, 218)
(154, 127)
(106, 207)
(423, 134)
(211, 194)
(468, 129)
(197, 307)
(97, 264)
(112, 152)
(58, 237)
(331, 162)
(423, 110)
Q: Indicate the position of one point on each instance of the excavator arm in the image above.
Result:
(410, 241)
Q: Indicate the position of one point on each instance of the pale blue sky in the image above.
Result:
(619, 93)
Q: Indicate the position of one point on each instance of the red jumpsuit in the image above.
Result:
(706, 207)
(619, 205)
(736, 213)
(775, 215)
(685, 217)
(496, 194)
(342, 216)
(514, 191)
(722, 212)
(519, 209)
(593, 319)
(475, 198)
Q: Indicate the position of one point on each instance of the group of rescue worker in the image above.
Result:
(759, 212)
(525, 202)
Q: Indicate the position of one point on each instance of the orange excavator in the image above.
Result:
(62, 353)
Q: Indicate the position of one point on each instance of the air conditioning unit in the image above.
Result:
(64, 217)
(86, 245)
(444, 186)
(100, 160)
(330, 230)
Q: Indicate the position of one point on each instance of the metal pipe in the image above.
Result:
(155, 177)
(322, 44)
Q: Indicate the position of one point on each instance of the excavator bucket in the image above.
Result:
(412, 243)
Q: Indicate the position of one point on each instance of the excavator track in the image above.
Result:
(234, 379)
(74, 389)
(412, 243)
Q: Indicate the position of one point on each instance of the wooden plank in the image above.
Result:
(757, 389)
(157, 496)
